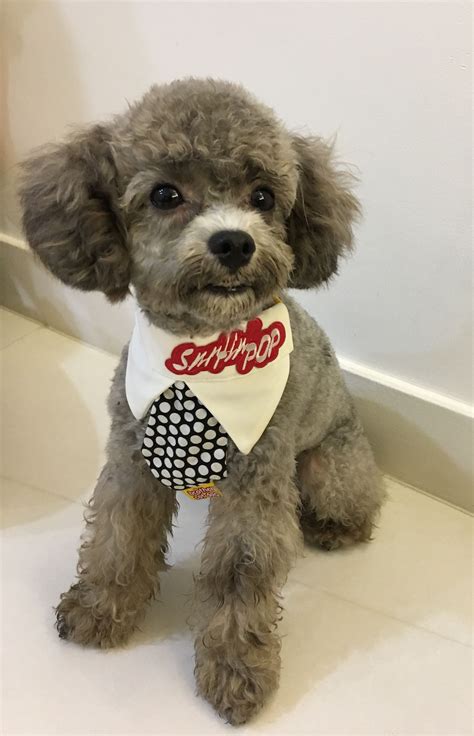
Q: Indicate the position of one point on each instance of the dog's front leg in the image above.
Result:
(252, 539)
(122, 552)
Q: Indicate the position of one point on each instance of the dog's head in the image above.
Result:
(198, 197)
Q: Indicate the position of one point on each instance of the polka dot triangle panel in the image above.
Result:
(184, 445)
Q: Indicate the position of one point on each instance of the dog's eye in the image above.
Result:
(262, 199)
(166, 197)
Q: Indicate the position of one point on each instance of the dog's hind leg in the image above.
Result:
(122, 552)
(341, 488)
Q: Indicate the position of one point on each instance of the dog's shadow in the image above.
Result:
(168, 615)
(317, 641)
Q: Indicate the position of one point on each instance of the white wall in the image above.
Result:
(392, 79)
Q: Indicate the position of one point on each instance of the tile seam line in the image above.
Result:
(427, 494)
(83, 343)
(384, 613)
(23, 337)
(44, 490)
(37, 322)
(72, 338)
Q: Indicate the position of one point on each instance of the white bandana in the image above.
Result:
(239, 376)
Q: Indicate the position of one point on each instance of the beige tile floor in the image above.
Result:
(377, 639)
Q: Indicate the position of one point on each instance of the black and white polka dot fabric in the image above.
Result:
(184, 445)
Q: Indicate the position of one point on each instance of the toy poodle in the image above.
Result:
(199, 202)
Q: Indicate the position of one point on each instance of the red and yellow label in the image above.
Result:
(199, 493)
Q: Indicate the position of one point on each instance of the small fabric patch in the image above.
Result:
(184, 445)
(201, 492)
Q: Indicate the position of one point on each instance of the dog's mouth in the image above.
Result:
(227, 290)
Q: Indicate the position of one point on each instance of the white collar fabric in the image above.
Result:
(239, 376)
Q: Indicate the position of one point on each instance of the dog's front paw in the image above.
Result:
(79, 618)
(236, 689)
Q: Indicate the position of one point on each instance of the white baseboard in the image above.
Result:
(420, 437)
(425, 442)
(26, 287)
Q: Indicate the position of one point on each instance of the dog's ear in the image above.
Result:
(71, 218)
(319, 227)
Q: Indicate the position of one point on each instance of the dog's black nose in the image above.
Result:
(233, 248)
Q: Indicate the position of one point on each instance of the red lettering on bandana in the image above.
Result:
(253, 347)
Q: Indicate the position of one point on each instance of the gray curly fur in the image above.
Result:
(88, 216)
